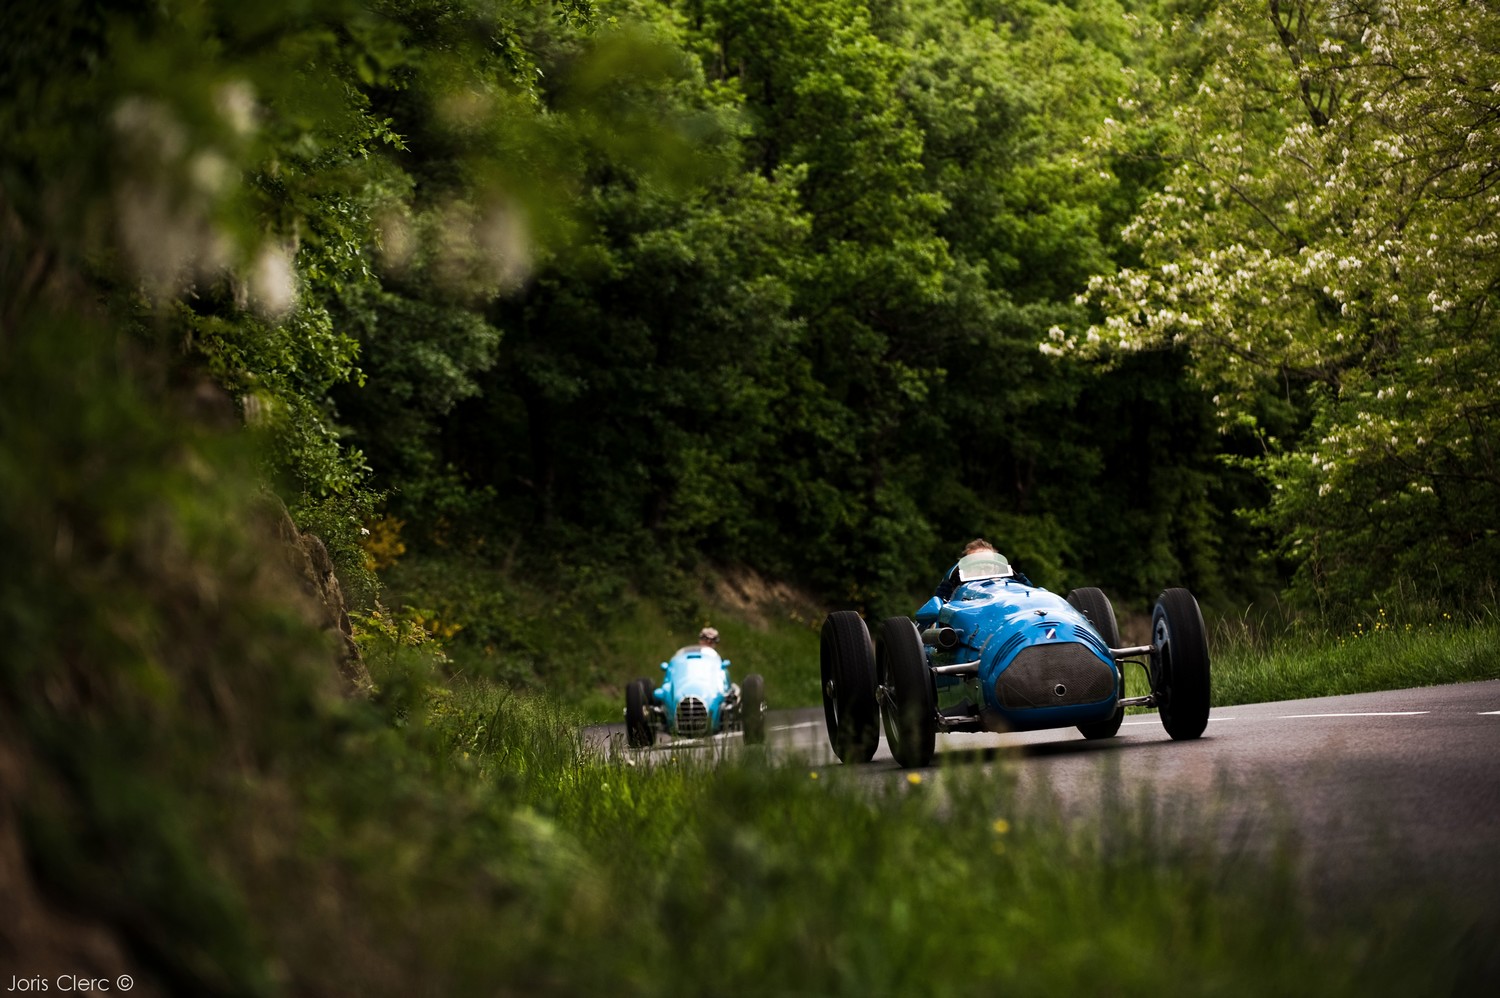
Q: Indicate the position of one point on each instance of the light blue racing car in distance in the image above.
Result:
(1001, 654)
(695, 700)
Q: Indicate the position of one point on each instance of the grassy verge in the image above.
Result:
(582, 640)
(1300, 663)
(775, 879)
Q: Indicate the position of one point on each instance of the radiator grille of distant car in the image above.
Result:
(1039, 672)
(692, 717)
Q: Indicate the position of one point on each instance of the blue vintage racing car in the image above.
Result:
(1001, 654)
(695, 700)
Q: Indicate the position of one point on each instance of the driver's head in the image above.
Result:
(977, 544)
(708, 636)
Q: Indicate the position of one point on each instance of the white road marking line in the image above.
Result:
(1156, 721)
(1372, 713)
(1486, 713)
(794, 727)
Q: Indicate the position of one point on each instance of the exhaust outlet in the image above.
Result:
(941, 638)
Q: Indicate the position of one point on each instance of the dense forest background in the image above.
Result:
(562, 304)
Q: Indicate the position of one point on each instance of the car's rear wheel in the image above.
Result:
(639, 731)
(752, 709)
(1094, 605)
(1180, 664)
(910, 702)
(848, 672)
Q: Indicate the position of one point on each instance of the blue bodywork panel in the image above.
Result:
(694, 674)
(1041, 663)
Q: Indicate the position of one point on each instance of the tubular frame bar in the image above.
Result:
(957, 669)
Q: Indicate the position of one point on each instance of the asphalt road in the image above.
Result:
(1380, 791)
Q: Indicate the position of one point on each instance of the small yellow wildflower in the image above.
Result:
(913, 778)
(813, 775)
(1001, 826)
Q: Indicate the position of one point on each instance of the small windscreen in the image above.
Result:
(983, 565)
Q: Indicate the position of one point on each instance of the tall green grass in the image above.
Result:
(751, 876)
(1259, 662)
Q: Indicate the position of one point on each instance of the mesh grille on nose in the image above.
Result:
(692, 717)
(1039, 672)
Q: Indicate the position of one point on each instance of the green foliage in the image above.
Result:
(283, 194)
(1325, 239)
(816, 358)
(729, 283)
(764, 333)
(336, 520)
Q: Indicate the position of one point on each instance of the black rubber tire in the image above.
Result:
(752, 709)
(649, 687)
(910, 708)
(1104, 729)
(639, 731)
(1094, 605)
(1180, 664)
(850, 710)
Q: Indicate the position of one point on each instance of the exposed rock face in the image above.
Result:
(307, 557)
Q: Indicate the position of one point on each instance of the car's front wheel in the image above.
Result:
(1180, 664)
(639, 731)
(910, 701)
(850, 710)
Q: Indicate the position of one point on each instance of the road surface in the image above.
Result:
(1395, 790)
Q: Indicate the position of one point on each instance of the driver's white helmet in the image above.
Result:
(708, 636)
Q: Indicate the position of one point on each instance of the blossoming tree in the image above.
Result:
(1329, 238)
